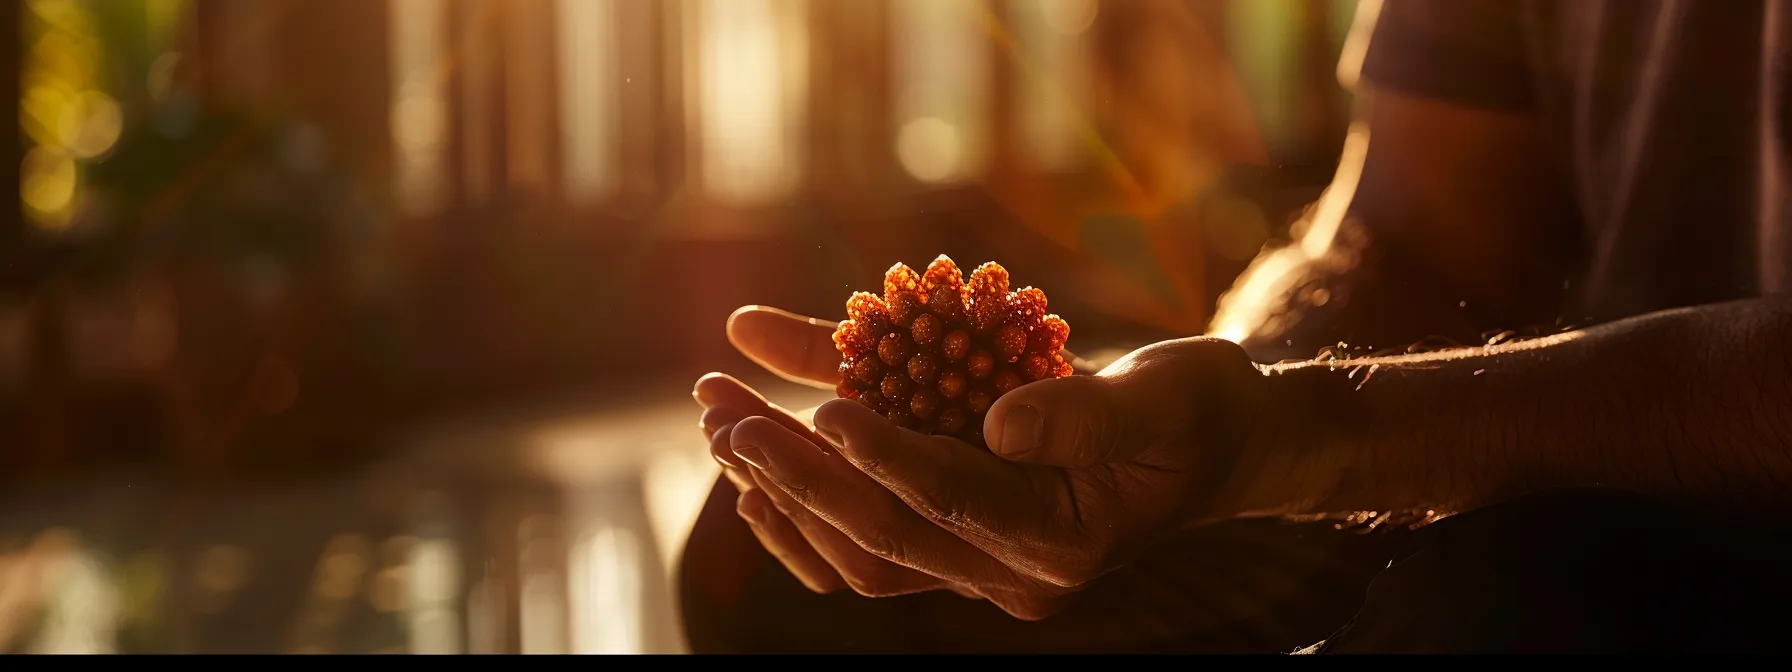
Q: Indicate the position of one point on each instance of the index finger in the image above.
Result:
(1007, 509)
(797, 348)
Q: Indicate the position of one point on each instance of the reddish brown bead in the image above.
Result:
(953, 385)
(905, 307)
(902, 417)
(927, 330)
(947, 302)
(986, 314)
(866, 370)
(951, 420)
(957, 346)
(896, 388)
(895, 349)
(1037, 367)
(923, 367)
(978, 401)
(980, 365)
(1006, 380)
(924, 404)
(845, 390)
(1011, 342)
(874, 400)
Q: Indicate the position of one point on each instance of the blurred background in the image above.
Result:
(368, 325)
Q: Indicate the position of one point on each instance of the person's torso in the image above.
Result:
(1672, 119)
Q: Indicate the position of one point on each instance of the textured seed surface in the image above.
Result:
(981, 364)
(926, 330)
(1011, 342)
(936, 349)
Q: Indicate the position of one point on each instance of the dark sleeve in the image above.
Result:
(1463, 51)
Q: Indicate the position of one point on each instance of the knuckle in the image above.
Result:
(881, 540)
(872, 465)
(801, 493)
(936, 502)
(943, 511)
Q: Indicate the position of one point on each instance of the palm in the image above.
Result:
(1022, 532)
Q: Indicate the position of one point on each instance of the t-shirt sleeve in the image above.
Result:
(1464, 51)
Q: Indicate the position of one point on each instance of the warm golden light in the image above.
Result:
(588, 104)
(1249, 308)
(90, 124)
(751, 60)
(1070, 17)
(49, 178)
(419, 112)
(942, 75)
(1053, 61)
(930, 149)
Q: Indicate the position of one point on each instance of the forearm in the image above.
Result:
(1692, 404)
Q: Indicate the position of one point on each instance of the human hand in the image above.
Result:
(825, 560)
(1087, 472)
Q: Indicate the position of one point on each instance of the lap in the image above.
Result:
(1580, 571)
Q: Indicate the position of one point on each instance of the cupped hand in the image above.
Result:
(799, 349)
(1084, 473)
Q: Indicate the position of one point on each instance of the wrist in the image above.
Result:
(1309, 444)
(1292, 435)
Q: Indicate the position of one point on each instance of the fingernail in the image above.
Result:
(831, 436)
(755, 457)
(1021, 430)
(721, 457)
(750, 508)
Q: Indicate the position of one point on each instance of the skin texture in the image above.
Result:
(1092, 473)
(1237, 586)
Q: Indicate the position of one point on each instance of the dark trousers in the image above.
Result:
(1577, 571)
(1582, 571)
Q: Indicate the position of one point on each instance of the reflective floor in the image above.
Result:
(543, 529)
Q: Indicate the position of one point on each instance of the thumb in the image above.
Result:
(1074, 421)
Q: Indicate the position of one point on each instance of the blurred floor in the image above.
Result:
(545, 528)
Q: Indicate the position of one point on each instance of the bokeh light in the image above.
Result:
(50, 178)
(930, 149)
(1070, 17)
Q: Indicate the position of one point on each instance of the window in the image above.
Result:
(942, 83)
(1052, 50)
(748, 61)
(588, 111)
(419, 103)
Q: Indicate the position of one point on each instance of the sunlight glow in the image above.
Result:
(942, 78)
(419, 103)
(588, 109)
(751, 77)
(1069, 17)
(606, 579)
(1049, 39)
(431, 596)
(1249, 307)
